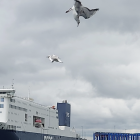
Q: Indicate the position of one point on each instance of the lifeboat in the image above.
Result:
(53, 107)
(38, 123)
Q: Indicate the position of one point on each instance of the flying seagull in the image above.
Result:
(79, 10)
(54, 58)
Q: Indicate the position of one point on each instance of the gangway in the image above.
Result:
(115, 136)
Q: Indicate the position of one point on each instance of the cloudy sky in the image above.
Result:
(100, 76)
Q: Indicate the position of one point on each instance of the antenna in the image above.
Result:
(29, 94)
(12, 84)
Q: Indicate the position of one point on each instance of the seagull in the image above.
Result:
(54, 58)
(79, 10)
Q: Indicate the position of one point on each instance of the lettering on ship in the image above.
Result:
(47, 138)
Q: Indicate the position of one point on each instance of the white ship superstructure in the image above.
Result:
(24, 116)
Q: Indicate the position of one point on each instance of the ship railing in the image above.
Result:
(11, 127)
(33, 102)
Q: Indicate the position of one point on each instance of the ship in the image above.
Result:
(23, 119)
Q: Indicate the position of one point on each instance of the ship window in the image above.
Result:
(11, 106)
(1, 105)
(2, 92)
(26, 116)
(12, 100)
(2, 99)
(12, 127)
(19, 108)
(24, 109)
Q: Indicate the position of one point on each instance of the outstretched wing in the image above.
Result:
(77, 3)
(87, 13)
(50, 59)
(59, 60)
(77, 6)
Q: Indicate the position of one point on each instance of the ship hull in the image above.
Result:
(8, 135)
(21, 135)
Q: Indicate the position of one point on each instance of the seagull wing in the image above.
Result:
(87, 13)
(77, 6)
(50, 59)
(59, 60)
(77, 3)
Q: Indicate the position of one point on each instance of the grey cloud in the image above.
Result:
(103, 53)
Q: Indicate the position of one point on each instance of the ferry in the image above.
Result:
(23, 119)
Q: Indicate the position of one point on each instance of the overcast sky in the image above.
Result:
(100, 76)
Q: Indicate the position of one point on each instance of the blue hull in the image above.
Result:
(8, 135)
(18, 135)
